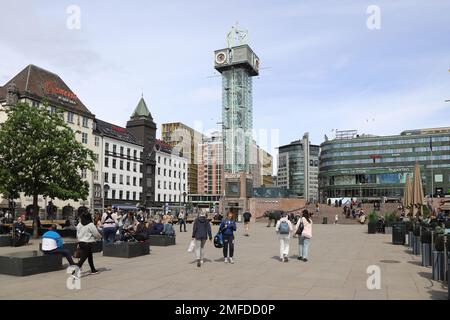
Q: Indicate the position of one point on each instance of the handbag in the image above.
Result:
(300, 228)
(77, 253)
(191, 246)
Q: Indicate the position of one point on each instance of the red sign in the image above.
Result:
(119, 129)
(375, 156)
(51, 88)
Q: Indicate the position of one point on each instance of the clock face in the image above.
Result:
(221, 57)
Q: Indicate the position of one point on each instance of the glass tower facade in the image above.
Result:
(237, 115)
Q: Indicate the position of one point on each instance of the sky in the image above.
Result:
(322, 67)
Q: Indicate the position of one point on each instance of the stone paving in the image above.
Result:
(339, 257)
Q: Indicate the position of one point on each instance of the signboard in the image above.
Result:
(51, 88)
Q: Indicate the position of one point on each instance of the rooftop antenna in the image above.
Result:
(237, 37)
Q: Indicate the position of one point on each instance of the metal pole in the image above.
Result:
(432, 175)
(445, 259)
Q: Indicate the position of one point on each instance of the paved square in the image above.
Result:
(339, 257)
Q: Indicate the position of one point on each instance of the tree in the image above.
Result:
(39, 155)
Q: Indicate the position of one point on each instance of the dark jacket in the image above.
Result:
(247, 216)
(157, 228)
(141, 230)
(227, 227)
(202, 229)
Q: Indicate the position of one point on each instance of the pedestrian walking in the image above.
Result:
(182, 220)
(304, 232)
(109, 225)
(87, 235)
(284, 231)
(247, 217)
(200, 233)
(227, 228)
(317, 208)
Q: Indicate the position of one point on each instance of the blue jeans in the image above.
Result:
(109, 235)
(303, 247)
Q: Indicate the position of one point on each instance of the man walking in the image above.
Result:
(284, 230)
(247, 217)
(182, 220)
(201, 232)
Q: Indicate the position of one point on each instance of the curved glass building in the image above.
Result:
(371, 167)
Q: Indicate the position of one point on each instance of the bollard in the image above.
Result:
(438, 267)
(410, 239)
(426, 255)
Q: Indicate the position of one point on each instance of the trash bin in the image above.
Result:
(325, 220)
(398, 233)
(438, 266)
(426, 255)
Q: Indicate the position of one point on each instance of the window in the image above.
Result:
(170, 198)
(170, 185)
(85, 122)
(128, 152)
(134, 167)
(170, 173)
(106, 162)
(175, 198)
(114, 178)
(83, 173)
(438, 178)
(113, 194)
(159, 159)
(159, 184)
(134, 181)
(165, 160)
(97, 141)
(120, 194)
(106, 176)
(164, 198)
(184, 165)
(95, 175)
(84, 137)
(128, 180)
(134, 195)
(128, 195)
(128, 166)
(120, 179)
(135, 154)
(140, 182)
(96, 157)
(174, 187)
(184, 175)
(106, 146)
(70, 117)
(51, 109)
(165, 171)
(165, 185)
(170, 162)
(121, 165)
(184, 186)
(114, 163)
(114, 149)
(97, 191)
(121, 151)
(159, 197)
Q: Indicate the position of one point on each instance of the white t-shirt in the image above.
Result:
(49, 244)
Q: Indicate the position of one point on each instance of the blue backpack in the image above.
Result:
(284, 227)
(218, 240)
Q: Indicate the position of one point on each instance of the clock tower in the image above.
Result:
(237, 64)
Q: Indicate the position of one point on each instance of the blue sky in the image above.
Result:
(323, 68)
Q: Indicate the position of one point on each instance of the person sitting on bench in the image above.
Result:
(52, 243)
(168, 228)
(141, 233)
(157, 228)
(22, 236)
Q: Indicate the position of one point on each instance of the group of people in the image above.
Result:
(284, 229)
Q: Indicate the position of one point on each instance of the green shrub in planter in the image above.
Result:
(425, 212)
(389, 219)
(372, 225)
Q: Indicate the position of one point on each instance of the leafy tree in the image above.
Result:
(39, 155)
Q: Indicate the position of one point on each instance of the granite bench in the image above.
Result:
(29, 262)
(5, 240)
(126, 249)
(161, 240)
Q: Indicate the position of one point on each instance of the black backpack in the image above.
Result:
(300, 228)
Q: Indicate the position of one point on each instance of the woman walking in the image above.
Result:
(305, 236)
(201, 231)
(284, 230)
(87, 235)
(227, 228)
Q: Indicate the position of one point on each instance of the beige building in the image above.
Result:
(35, 85)
(187, 141)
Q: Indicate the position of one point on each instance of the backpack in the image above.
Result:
(218, 240)
(300, 229)
(284, 227)
(109, 217)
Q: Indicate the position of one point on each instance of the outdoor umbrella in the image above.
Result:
(407, 193)
(417, 194)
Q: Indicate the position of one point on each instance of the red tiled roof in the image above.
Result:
(40, 84)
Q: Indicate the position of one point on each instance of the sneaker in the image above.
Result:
(286, 259)
(231, 260)
(199, 264)
(226, 260)
(304, 259)
(201, 261)
(300, 258)
(95, 272)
